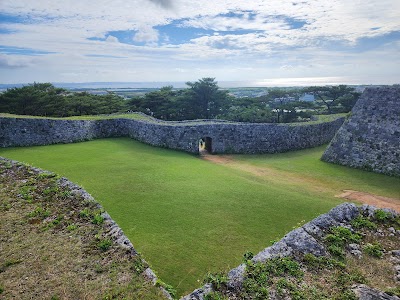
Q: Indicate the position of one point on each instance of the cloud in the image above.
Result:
(146, 35)
(219, 35)
(111, 39)
(163, 3)
(13, 62)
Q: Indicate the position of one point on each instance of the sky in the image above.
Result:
(275, 42)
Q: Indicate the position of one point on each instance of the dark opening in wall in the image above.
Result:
(205, 145)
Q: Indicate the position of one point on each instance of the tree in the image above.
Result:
(330, 95)
(206, 98)
(30, 99)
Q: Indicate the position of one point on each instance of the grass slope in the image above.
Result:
(53, 244)
(189, 216)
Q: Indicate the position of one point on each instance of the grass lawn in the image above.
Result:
(305, 165)
(188, 216)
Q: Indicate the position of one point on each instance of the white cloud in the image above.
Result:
(15, 61)
(268, 38)
(146, 34)
(111, 39)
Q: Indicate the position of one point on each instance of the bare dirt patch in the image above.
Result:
(371, 199)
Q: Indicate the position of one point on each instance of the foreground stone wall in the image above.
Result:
(370, 138)
(226, 137)
(306, 239)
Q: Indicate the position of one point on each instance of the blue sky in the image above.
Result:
(263, 42)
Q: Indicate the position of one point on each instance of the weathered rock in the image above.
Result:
(366, 293)
(199, 294)
(344, 212)
(354, 246)
(301, 242)
(370, 138)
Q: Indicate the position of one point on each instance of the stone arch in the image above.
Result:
(205, 144)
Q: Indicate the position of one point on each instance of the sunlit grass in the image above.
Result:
(189, 216)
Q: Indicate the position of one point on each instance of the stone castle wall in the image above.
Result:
(226, 137)
(370, 138)
(308, 238)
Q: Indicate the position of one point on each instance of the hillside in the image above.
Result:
(57, 244)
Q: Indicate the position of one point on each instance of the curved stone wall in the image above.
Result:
(226, 137)
(308, 238)
(370, 138)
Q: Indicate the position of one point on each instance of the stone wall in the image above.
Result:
(306, 239)
(226, 137)
(370, 138)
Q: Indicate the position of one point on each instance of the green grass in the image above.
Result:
(188, 216)
(306, 164)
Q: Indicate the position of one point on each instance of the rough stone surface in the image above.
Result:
(370, 138)
(305, 239)
(226, 137)
(364, 292)
(199, 294)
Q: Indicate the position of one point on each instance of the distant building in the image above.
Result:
(307, 97)
(285, 99)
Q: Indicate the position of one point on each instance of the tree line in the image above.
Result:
(202, 99)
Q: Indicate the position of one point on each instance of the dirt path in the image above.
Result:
(367, 198)
(273, 175)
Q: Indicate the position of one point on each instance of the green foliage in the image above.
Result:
(218, 280)
(259, 276)
(104, 244)
(382, 216)
(346, 295)
(72, 227)
(97, 219)
(39, 212)
(247, 256)
(362, 222)
(85, 213)
(169, 288)
(339, 98)
(322, 262)
(139, 266)
(345, 280)
(393, 291)
(43, 99)
(375, 249)
(338, 238)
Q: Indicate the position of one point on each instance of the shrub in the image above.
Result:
(381, 216)
(338, 238)
(72, 227)
(105, 244)
(374, 249)
(169, 288)
(218, 280)
(97, 219)
(361, 222)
